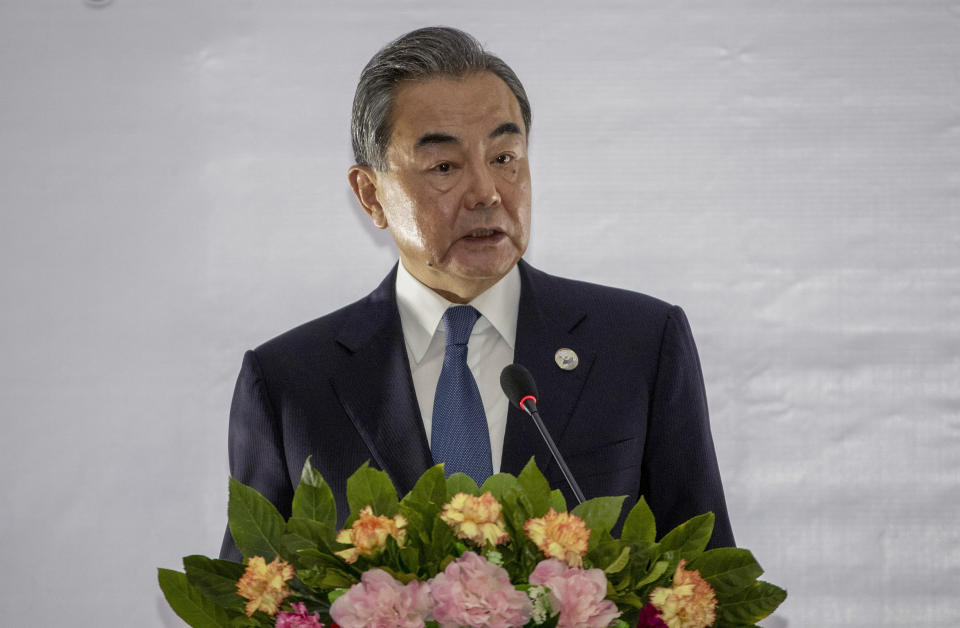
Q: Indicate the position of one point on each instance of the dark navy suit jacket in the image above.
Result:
(630, 420)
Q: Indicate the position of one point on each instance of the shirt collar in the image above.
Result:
(421, 309)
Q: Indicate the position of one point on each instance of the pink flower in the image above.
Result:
(298, 618)
(472, 591)
(379, 601)
(577, 593)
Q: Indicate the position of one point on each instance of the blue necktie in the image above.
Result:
(459, 437)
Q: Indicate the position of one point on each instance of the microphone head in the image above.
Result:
(517, 383)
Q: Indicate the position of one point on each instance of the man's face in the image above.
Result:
(456, 191)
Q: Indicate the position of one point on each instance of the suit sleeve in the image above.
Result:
(680, 476)
(255, 444)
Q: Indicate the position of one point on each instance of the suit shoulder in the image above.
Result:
(314, 344)
(356, 320)
(319, 328)
(606, 300)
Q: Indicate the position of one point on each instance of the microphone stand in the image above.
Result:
(567, 475)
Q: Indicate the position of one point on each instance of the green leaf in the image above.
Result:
(431, 488)
(322, 578)
(461, 483)
(370, 487)
(317, 533)
(441, 542)
(514, 513)
(216, 579)
(409, 560)
(290, 545)
(255, 523)
(557, 500)
(605, 553)
(658, 570)
(187, 602)
(337, 578)
(312, 558)
(752, 604)
(621, 561)
(640, 526)
(536, 488)
(313, 498)
(422, 507)
(499, 485)
(690, 537)
(727, 569)
(600, 514)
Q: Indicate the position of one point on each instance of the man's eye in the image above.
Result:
(504, 159)
(442, 167)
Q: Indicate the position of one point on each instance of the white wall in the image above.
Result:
(173, 192)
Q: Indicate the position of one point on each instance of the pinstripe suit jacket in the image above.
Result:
(630, 420)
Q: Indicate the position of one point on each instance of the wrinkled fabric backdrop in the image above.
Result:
(173, 191)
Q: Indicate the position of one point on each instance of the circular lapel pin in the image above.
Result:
(566, 359)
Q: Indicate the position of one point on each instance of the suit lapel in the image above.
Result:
(546, 321)
(376, 390)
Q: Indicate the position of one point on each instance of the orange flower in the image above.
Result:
(690, 603)
(369, 533)
(265, 585)
(560, 535)
(478, 519)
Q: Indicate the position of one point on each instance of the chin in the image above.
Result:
(494, 272)
(484, 263)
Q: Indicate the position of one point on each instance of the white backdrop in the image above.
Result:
(173, 191)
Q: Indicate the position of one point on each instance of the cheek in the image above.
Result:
(421, 221)
(517, 184)
(517, 198)
(523, 212)
(438, 224)
(401, 217)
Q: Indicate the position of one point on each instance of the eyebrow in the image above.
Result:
(436, 138)
(446, 138)
(505, 128)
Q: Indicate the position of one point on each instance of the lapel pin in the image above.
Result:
(566, 359)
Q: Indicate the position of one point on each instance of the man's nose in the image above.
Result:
(482, 189)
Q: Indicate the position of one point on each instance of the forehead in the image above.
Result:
(475, 104)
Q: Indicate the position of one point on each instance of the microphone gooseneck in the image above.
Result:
(520, 388)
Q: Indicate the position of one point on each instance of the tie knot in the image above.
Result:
(459, 321)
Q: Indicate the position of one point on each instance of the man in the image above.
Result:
(408, 376)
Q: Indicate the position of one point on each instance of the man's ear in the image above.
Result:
(363, 180)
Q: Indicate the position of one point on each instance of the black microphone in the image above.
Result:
(521, 390)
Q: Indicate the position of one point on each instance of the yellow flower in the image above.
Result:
(478, 519)
(689, 603)
(265, 585)
(560, 535)
(369, 533)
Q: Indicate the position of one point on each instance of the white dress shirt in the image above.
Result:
(489, 349)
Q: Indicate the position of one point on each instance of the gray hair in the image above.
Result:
(436, 51)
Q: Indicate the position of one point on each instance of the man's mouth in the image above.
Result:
(481, 234)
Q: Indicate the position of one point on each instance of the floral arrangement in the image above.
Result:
(453, 554)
